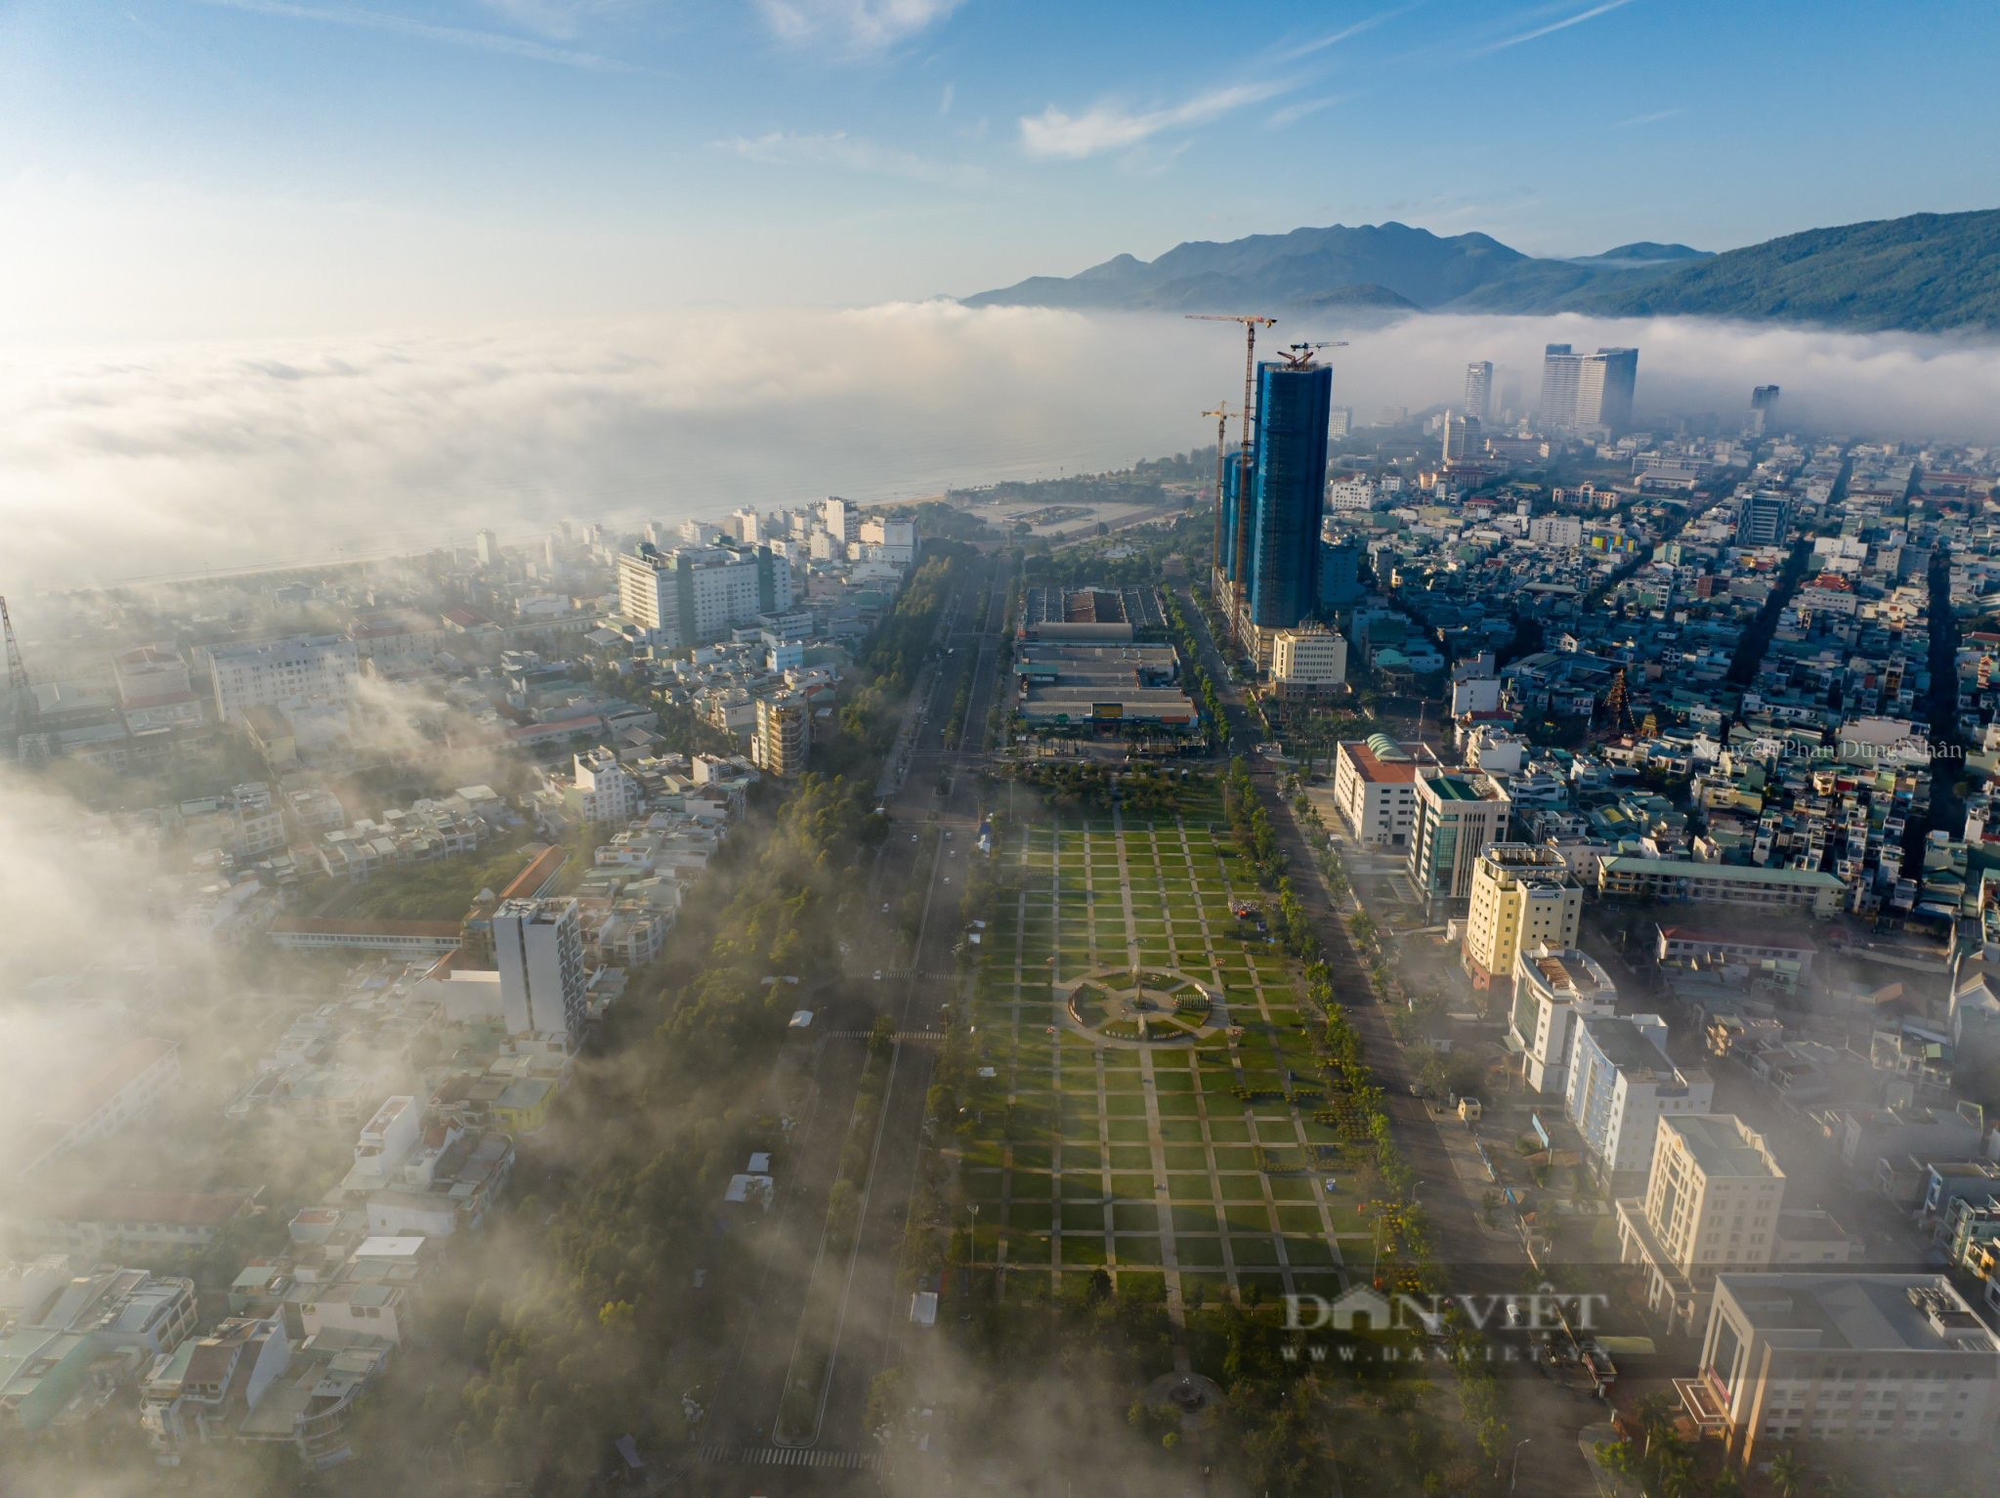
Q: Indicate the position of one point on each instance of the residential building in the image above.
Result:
(1375, 788)
(1713, 1203)
(1458, 816)
(1620, 1082)
(114, 1223)
(1813, 891)
(1340, 573)
(1765, 520)
(69, 1341)
(1763, 411)
(1556, 530)
(783, 738)
(1553, 989)
(603, 790)
(278, 673)
(1310, 660)
(1588, 393)
(1522, 898)
(1288, 486)
(693, 595)
(1479, 390)
(538, 950)
(1842, 1358)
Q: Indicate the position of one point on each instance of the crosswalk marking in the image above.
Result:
(788, 1456)
(900, 1034)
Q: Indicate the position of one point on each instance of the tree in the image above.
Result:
(1788, 1475)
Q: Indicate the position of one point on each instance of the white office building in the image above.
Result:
(696, 595)
(1620, 1082)
(1552, 991)
(1875, 1359)
(604, 790)
(280, 673)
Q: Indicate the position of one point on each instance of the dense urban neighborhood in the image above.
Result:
(1450, 951)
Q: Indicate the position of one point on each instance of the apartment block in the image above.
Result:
(1552, 991)
(1620, 1083)
(783, 737)
(276, 673)
(538, 949)
(1522, 898)
(1713, 1203)
(693, 595)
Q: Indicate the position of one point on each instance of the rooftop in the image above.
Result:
(1686, 868)
(1373, 769)
(1860, 1312)
(1723, 1145)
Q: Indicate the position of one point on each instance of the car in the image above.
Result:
(947, 881)
(1416, 1089)
(913, 837)
(878, 975)
(1515, 1315)
(885, 907)
(1332, 1185)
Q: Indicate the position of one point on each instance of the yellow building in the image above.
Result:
(1713, 1204)
(1522, 898)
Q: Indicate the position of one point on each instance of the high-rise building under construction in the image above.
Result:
(1288, 486)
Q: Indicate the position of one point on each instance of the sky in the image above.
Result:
(174, 169)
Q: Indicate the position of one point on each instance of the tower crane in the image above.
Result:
(1300, 355)
(1221, 415)
(1251, 323)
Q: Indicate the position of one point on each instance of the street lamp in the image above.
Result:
(1514, 1471)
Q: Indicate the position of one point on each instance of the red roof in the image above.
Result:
(540, 870)
(1381, 772)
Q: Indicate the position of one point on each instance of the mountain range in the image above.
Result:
(1930, 272)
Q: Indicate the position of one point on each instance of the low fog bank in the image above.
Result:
(200, 456)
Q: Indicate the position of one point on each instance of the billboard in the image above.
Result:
(1107, 712)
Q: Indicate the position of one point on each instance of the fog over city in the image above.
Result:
(170, 459)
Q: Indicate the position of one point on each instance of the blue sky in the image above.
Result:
(182, 167)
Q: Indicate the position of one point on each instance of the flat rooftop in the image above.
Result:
(1720, 1144)
(1687, 868)
(1858, 1312)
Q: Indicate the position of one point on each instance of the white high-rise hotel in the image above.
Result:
(692, 595)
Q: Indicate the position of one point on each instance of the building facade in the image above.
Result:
(1287, 492)
(538, 950)
(1479, 389)
(1552, 991)
(1620, 1083)
(696, 595)
(783, 737)
(1375, 789)
(1876, 1358)
(1458, 816)
(1309, 660)
(1713, 1204)
(276, 673)
(1522, 898)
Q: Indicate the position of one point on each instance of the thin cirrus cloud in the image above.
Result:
(1346, 33)
(1292, 113)
(1550, 28)
(450, 36)
(1055, 134)
(1647, 119)
(860, 25)
(854, 154)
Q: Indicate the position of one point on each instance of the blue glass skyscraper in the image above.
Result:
(1288, 491)
(1236, 519)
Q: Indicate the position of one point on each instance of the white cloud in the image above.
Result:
(557, 19)
(1536, 33)
(1647, 119)
(1108, 126)
(203, 456)
(450, 36)
(1292, 113)
(859, 25)
(854, 154)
